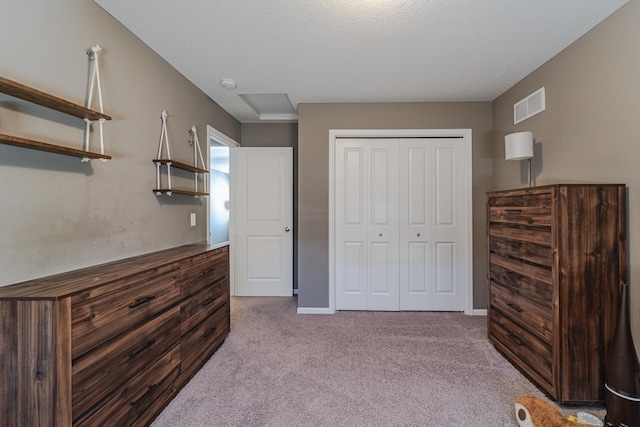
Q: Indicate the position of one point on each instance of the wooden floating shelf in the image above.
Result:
(50, 101)
(43, 146)
(169, 192)
(180, 165)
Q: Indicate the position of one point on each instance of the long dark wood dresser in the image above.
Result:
(556, 260)
(110, 344)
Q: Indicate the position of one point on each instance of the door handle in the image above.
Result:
(287, 229)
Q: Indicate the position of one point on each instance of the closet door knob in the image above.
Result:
(418, 234)
(380, 234)
(286, 229)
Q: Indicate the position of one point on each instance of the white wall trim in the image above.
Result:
(214, 134)
(479, 312)
(315, 310)
(467, 203)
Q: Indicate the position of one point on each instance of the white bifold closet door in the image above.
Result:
(398, 224)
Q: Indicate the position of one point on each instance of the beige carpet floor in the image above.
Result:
(279, 368)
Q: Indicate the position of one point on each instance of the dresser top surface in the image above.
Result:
(68, 283)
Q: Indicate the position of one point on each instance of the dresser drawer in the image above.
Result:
(102, 370)
(205, 335)
(198, 307)
(127, 402)
(526, 251)
(537, 235)
(531, 281)
(202, 271)
(533, 317)
(98, 316)
(522, 215)
(539, 200)
(530, 352)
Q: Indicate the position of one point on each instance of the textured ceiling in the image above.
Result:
(357, 50)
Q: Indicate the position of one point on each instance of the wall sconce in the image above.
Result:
(519, 146)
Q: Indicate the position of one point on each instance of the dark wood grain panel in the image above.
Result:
(180, 165)
(539, 197)
(586, 280)
(147, 388)
(536, 215)
(536, 290)
(101, 371)
(189, 370)
(203, 271)
(196, 309)
(35, 377)
(526, 251)
(543, 383)
(538, 319)
(532, 351)
(44, 99)
(9, 380)
(523, 270)
(125, 404)
(51, 148)
(540, 236)
(36, 367)
(69, 283)
(196, 340)
(99, 319)
(63, 343)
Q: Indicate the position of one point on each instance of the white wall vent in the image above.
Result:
(528, 107)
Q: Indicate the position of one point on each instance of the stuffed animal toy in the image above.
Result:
(532, 411)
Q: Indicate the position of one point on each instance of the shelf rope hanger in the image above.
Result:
(197, 153)
(94, 81)
(164, 138)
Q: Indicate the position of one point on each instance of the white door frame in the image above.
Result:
(216, 135)
(467, 246)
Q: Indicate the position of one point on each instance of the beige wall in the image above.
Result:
(315, 121)
(590, 131)
(269, 134)
(57, 213)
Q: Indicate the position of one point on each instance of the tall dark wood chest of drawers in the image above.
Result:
(110, 345)
(557, 258)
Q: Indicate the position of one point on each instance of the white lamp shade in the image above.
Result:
(518, 146)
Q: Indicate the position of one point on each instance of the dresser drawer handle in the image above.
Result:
(209, 301)
(209, 332)
(515, 339)
(513, 210)
(208, 271)
(146, 346)
(514, 307)
(139, 302)
(151, 387)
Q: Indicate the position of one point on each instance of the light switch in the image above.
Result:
(193, 219)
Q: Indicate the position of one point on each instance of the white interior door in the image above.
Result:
(367, 223)
(264, 221)
(399, 224)
(431, 224)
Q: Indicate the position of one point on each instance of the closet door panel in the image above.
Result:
(447, 227)
(430, 224)
(381, 163)
(416, 213)
(351, 225)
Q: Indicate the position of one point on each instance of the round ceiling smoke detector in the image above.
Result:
(228, 83)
